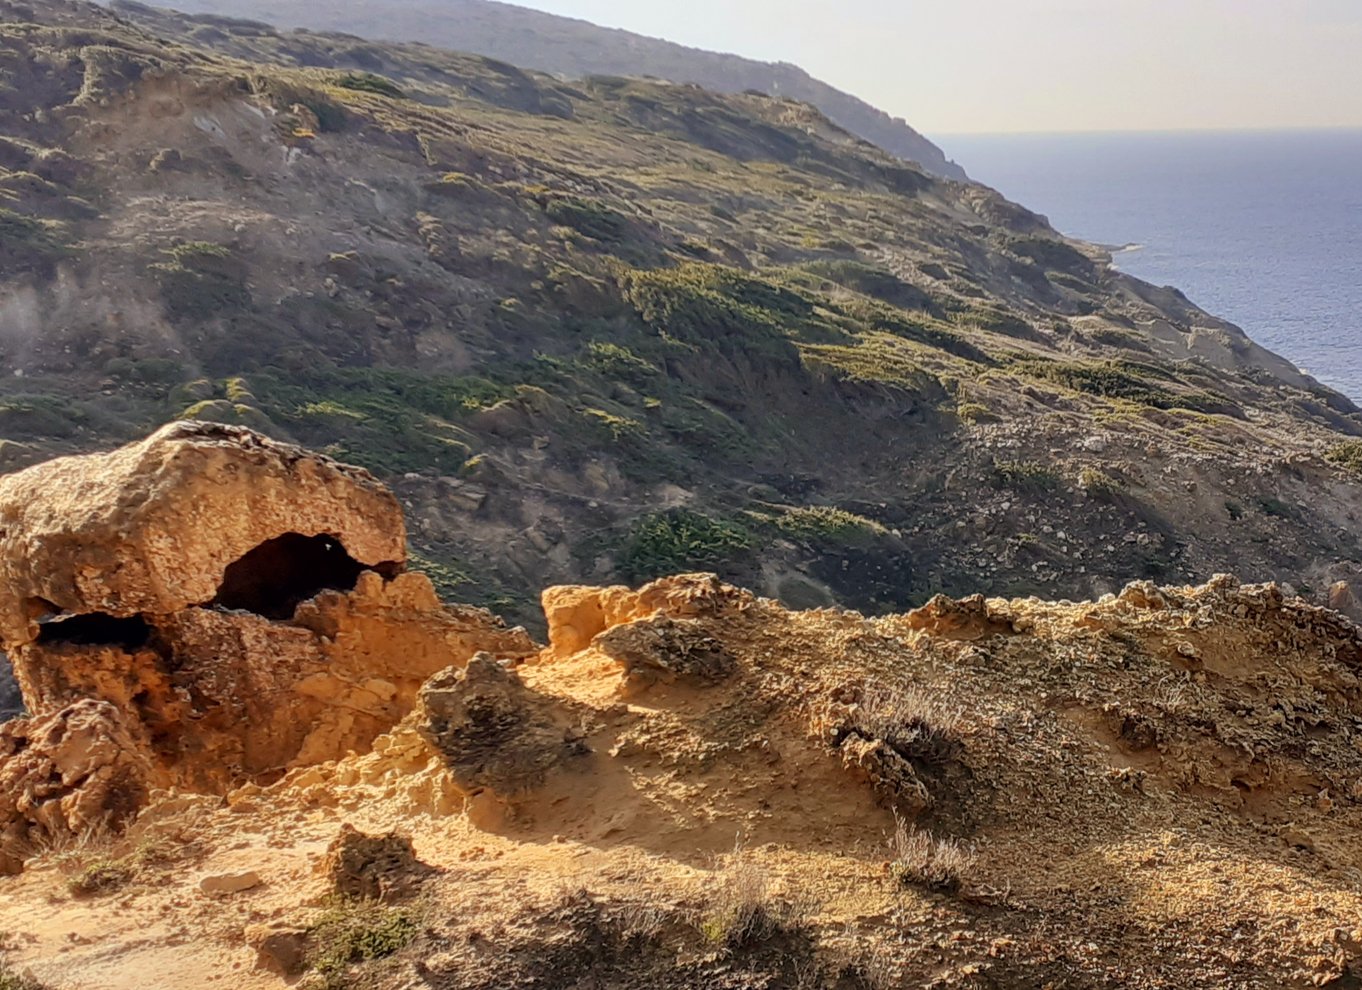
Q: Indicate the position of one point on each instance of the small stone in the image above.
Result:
(229, 883)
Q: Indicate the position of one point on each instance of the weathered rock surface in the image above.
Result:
(75, 771)
(494, 734)
(240, 600)
(667, 649)
(373, 867)
(11, 701)
(196, 514)
(576, 615)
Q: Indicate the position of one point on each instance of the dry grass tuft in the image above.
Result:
(743, 910)
(920, 860)
(911, 719)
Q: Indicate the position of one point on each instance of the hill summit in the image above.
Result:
(574, 49)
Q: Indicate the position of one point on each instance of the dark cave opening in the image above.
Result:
(95, 629)
(276, 576)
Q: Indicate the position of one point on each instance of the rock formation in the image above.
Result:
(65, 775)
(232, 607)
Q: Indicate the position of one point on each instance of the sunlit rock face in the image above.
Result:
(242, 604)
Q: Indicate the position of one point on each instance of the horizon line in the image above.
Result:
(1224, 129)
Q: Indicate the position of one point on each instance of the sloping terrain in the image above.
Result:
(688, 787)
(614, 329)
(574, 48)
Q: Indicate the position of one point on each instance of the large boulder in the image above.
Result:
(196, 514)
(243, 602)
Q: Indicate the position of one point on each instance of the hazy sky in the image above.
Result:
(1042, 65)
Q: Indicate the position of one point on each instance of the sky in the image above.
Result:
(993, 66)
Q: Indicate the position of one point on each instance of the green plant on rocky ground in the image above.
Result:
(1347, 455)
(679, 540)
(1100, 486)
(975, 414)
(93, 867)
(367, 82)
(1026, 476)
(827, 523)
(353, 932)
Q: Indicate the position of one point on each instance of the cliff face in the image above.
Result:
(609, 330)
(574, 48)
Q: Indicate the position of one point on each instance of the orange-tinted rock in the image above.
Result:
(157, 526)
(576, 615)
(216, 587)
(78, 770)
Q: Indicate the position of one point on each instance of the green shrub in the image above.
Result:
(368, 82)
(826, 523)
(974, 413)
(678, 541)
(618, 362)
(353, 932)
(27, 244)
(1025, 476)
(1347, 455)
(590, 218)
(704, 301)
(874, 281)
(1100, 486)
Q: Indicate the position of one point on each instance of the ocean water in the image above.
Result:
(1263, 228)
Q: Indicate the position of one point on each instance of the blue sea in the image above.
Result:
(1263, 228)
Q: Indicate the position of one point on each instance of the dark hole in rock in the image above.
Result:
(11, 702)
(276, 576)
(95, 629)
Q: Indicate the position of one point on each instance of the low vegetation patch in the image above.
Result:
(1347, 455)
(351, 933)
(1100, 486)
(742, 911)
(368, 82)
(1026, 476)
(825, 523)
(677, 541)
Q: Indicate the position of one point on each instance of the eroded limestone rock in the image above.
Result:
(196, 514)
(242, 601)
(668, 650)
(77, 770)
(494, 733)
(576, 615)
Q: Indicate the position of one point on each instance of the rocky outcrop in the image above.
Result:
(667, 649)
(372, 867)
(495, 735)
(75, 771)
(195, 515)
(241, 601)
(576, 615)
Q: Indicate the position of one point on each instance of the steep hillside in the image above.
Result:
(614, 329)
(689, 788)
(574, 48)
